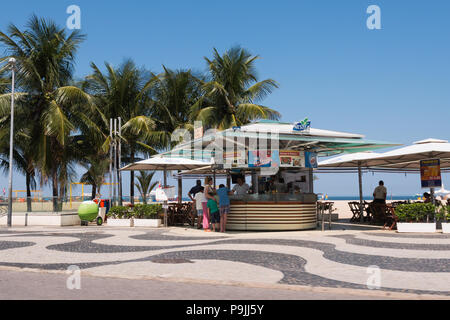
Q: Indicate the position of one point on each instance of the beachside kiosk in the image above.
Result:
(278, 160)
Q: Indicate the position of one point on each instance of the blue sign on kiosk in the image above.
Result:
(303, 125)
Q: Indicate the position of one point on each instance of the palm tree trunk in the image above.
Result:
(94, 191)
(55, 191)
(132, 179)
(61, 194)
(28, 182)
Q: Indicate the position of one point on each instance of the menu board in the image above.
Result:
(263, 159)
(430, 173)
(292, 158)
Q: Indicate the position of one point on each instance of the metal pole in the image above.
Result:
(110, 162)
(361, 204)
(180, 188)
(115, 160)
(12, 63)
(165, 202)
(165, 178)
(119, 173)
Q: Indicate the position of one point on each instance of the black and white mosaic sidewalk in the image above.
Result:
(407, 263)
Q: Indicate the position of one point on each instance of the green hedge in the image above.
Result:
(416, 212)
(147, 211)
(119, 212)
(443, 214)
(140, 211)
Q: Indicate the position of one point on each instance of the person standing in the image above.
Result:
(214, 214)
(380, 193)
(209, 194)
(198, 187)
(199, 200)
(224, 205)
(191, 194)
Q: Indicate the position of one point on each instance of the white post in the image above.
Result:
(119, 173)
(115, 160)
(12, 63)
(110, 163)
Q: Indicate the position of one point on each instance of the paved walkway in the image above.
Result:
(291, 265)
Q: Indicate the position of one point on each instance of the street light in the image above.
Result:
(12, 65)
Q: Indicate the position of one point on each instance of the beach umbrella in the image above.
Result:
(408, 158)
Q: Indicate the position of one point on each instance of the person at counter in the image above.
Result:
(224, 203)
(197, 188)
(241, 188)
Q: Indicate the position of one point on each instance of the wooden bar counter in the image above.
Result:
(272, 212)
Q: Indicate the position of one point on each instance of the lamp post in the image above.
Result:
(12, 65)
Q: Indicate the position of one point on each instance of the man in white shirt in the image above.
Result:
(199, 199)
(241, 187)
(380, 193)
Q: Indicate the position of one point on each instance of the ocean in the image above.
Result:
(369, 198)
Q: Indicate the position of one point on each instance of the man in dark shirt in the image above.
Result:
(197, 188)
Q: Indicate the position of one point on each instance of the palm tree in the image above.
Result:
(23, 162)
(173, 94)
(233, 90)
(45, 61)
(121, 92)
(145, 184)
(4, 82)
(95, 175)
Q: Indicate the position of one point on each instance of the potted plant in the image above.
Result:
(119, 216)
(415, 217)
(444, 216)
(147, 215)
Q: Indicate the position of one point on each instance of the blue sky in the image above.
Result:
(389, 84)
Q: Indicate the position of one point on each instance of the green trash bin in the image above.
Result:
(88, 211)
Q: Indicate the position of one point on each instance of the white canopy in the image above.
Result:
(348, 160)
(406, 158)
(159, 163)
(409, 157)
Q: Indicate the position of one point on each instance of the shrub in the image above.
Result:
(443, 214)
(417, 212)
(147, 211)
(119, 212)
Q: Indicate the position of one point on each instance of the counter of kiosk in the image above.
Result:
(272, 212)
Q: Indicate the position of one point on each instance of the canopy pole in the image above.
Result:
(180, 188)
(165, 201)
(165, 178)
(361, 203)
